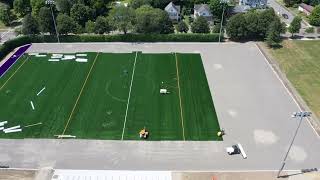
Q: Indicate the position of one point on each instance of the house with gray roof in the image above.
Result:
(173, 11)
(202, 10)
(254, 3)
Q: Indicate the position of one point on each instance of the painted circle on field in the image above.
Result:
(118, 89)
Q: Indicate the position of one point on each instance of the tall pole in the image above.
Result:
(50, 2)
(301, 115)
(221, 22)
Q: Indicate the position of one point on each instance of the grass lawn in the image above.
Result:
(300, 61)
(113, 96)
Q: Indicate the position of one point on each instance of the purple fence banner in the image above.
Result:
(6, 66)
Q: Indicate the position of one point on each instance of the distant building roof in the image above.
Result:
(177, 8)
(201, 7)
(241, 9)
(306, 7)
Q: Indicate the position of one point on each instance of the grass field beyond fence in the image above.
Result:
(300, 61)
(112, 96)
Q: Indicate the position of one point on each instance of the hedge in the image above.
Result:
(134, 38)
(8, 46)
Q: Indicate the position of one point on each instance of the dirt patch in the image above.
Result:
(9, 174)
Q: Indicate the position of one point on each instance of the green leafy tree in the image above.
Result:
(161, 4)
(200, 25)
(22, 7)
(252, 25)
(182, 27)
(45, 20)
(29, 25)
(216, 28)
(36, 5)
(123, 18)
(165, 23)
(236, 27)
(90, 25)
(138, 3)
(100, 7)
(153, 20)
(274, 33)
(314, 17)
(265, 18)
(102, 25)
(5, 15)
(81, 13)
(216, 7)
(295, 25)
(66, 24)
(63, 6)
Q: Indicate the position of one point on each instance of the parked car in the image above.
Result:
(285, 16)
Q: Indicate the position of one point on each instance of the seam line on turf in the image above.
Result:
(14, 73)
(129, 96)
(76, 103)
(181, 111)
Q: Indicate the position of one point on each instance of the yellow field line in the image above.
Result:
(76, 103)
(14, 73)
(181, 111)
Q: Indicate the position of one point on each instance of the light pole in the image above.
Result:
(224, 6)
(50, 2)
(301, 114)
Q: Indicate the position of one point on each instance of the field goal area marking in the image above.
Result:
(129, 96)
(181, 111)
(14, 73)
(76, 103)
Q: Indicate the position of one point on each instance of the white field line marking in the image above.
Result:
(290, 94)
(129, 96)
(41, 91)
(32, 105)
(181, 111)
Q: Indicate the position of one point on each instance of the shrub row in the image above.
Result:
(135, 38)
(8, 46)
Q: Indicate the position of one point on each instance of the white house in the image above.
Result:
(202, 10)
(173, 11)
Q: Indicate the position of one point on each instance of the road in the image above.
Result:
(7, 35)
(282, 10)
(252, 106)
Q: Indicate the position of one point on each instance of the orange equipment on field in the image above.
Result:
(144, 133)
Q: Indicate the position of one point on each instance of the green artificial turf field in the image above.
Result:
(112, 96)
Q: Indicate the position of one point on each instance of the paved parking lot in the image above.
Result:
(252, 106)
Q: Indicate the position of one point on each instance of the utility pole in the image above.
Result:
(50, 2)
(301, 114)
(224, 6)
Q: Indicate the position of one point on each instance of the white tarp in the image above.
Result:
(13, 130)
(33, 54)
(41, 55)
(54, 60)
(81, 60)
(81, 55)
